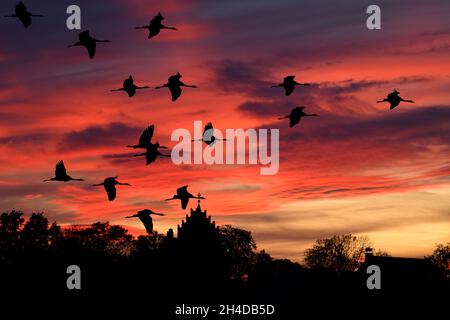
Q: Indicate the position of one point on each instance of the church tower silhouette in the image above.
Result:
(199, 250)
(198, 227)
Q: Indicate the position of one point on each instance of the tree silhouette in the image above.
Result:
(339, 253)
(119, 242)
(10, 224)
(35, 231)
(224, 262)
(104, 238)
(54, 233)
(239, 250)
(441, 258)
(271, 275)
(149, 243)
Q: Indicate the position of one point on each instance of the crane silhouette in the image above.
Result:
(23, 15)
(61, 174)
(155, 26)
(88, 42)
(289, 84)
(152, 153)
(129, 87)
(110, 186)
(184, 196)
(296, 115)
(394, 99)
(146, 219)
(145, 139)
(208, 135)
(174, 84)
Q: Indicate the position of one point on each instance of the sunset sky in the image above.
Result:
(358, 168)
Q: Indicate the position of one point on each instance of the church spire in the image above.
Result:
(199, 209)
(198, 225)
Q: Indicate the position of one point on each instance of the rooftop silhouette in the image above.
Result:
(197, 227)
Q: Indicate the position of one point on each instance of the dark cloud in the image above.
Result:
(342, 95)
(393, 136)
(266, 109)
(113, 134)
(441, 47)
(119, 155)
(347, 189)
(24, 139)
(122, 158)
(352, 86)
(252, 78)
(26, 189)
(400, 126)
(239, 76)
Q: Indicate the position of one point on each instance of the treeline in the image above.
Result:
(35, 254)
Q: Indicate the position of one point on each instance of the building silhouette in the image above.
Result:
(198, 227)
(198, 250)
(406, 276)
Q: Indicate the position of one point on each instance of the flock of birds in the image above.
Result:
(174, 84)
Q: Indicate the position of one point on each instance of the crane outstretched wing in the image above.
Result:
(153, 31)
(25, 19)
(176, 92)
(128, 82)
(91, 49)
(295, 116)
(23, 15)
(146, 135)
(392, 95)
(182, 190)
(60, 169)
(21, 8)
(394, 104)
(288, 90)
(293, 121)
(288, 78)
(148, 223)
(111, 191)
(84, 36)
(208, 132)
(184, 203)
